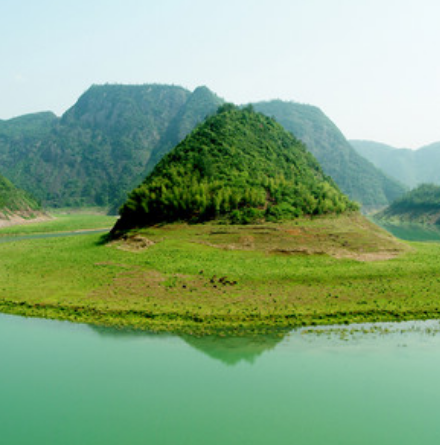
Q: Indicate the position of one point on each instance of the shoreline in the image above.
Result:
(215, 325)
(216, 279)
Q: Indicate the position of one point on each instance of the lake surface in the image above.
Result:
(412, 232)
(63, 384)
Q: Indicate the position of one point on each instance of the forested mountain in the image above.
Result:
(411, 167)
(238, 166)
(193, 112)
(15, 201)
(104, 145)
(420, 205)
(30, 125)
(355, 176)
(99, 149)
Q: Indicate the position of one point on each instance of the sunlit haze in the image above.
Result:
(370, 65)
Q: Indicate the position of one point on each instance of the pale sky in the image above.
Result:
(372, 66)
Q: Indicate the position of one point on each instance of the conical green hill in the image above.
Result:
(238, 166)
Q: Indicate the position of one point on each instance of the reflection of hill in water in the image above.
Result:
(229, 350)
(108, 331)
(232, 350)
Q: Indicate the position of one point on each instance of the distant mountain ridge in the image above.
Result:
(410, 167)
(355, 176)
(99, 149)
(106, 143)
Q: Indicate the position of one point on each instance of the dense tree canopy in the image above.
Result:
(425, 195)
(420, 205)
(106, 143)
(238, 166)
(99, 149)
(355, 176)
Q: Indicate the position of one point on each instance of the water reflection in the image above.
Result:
(247, 349)
(89, 385)
(233, 350)
(415, 334)
(228, 350)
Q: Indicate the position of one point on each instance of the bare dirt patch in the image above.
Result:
(25, 217)
(345, 237)
(134, 243)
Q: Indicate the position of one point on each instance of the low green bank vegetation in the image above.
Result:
(213, 279)
(14, 200)
(62, 222)
(420, 206)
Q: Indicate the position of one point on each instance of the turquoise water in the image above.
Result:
(413, 232)
(65, 384)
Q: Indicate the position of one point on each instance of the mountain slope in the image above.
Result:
(238, 166)
(20, 137)
(114, 135)
(199, 105)
(355, 176)
(411, 167)
(15, 203)
(421, 205)
(99, 150)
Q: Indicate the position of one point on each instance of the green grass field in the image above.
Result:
(205, 279)
(62, 222)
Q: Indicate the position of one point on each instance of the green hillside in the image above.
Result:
(29, 125)
(420, 205)
(410, 167)
(355, 176)
(194, 111)
(99, 149)
(238, 166)
(114, 135)
(14, 200)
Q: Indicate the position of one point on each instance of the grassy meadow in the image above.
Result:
(212, 278)
(63, 221)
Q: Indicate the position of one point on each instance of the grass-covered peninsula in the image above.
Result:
(207, 278)
(237, 229)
